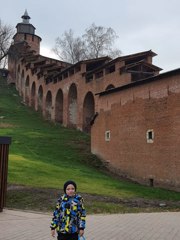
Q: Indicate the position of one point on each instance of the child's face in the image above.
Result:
(70, 190)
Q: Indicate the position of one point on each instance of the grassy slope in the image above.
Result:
(45, 155)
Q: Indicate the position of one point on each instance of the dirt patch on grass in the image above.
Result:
(6, 125)
(27, 198)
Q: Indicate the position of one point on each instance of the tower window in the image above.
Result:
(150, 136)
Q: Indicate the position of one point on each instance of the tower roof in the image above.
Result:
(25, 26)
(25, 17)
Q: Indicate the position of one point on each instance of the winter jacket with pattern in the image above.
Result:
(69, 215)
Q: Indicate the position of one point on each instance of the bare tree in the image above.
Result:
(6, 33)
(97, 42)
(69, 48)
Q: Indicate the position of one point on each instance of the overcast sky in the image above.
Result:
(140, 24)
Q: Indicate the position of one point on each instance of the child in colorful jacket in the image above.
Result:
(69, 216)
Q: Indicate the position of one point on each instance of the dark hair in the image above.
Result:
(68, 183)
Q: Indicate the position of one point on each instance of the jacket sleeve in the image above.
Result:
(56, 215)
(82, 215)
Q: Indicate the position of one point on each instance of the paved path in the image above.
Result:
(21, 225)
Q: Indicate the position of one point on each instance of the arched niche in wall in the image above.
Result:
(48, 105)
(18, 77)
(27, 93)
(33, 94)
(72, 106)
(19, 69)
(59, 107)
(88, 111)
(21, 83)
(40, 98)
(110, 86)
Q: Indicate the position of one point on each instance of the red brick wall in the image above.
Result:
(128, 115)
(83, 87)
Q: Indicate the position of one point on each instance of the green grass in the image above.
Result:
(44, 155)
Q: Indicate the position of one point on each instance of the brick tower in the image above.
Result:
(26, 32)
(24, 42)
